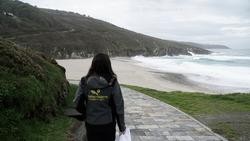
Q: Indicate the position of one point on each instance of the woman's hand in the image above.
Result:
(123, 132)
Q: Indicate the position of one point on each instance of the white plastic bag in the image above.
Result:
(126, 136)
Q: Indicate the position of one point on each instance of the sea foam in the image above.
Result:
(215, 69)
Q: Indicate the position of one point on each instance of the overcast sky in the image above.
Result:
(206, 21)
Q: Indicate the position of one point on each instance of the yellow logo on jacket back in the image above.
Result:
(95, 95)
(97, 92)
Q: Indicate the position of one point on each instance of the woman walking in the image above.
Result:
(103, 100)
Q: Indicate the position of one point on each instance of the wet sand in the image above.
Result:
(130, 72)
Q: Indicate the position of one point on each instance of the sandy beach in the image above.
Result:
(130, 72)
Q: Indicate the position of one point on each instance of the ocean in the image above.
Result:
(225, 69)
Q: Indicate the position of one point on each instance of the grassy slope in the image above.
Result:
(33, 92)
(26, 20)
(224, 110)
(54, 129)
(59, 34)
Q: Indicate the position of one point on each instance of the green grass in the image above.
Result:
(202, 106)
(14, 127)
(33, 94)
(227, 130)
(30, 83)
(198, 103)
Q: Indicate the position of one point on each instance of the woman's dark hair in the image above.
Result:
(101, 66)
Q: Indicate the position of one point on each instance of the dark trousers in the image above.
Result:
(104, 132)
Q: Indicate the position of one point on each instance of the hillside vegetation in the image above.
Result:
(33, 89)
(63, 34)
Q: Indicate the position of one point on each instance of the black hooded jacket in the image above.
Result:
(103, 100)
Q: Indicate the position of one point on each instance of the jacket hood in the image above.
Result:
(97, 82)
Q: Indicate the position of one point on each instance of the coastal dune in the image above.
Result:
(130, 72)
